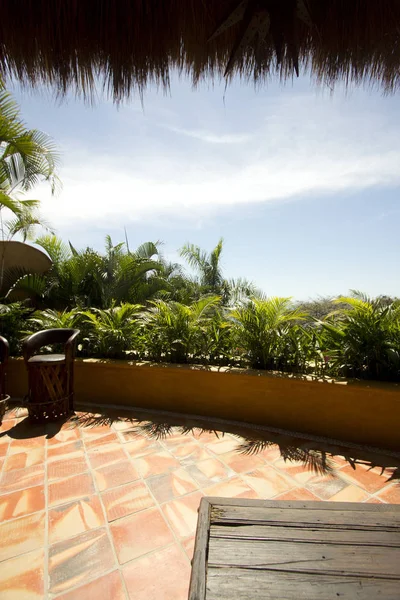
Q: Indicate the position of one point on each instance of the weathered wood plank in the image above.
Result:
(388, 520)
(299, 505)
(307, 534)
(197, 589)
(241, 584)
(312, 558)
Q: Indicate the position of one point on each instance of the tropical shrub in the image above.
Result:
(113, 332)
(362, 339)
(176, 332)
(53, 319)
(13, 324)
(262, 327)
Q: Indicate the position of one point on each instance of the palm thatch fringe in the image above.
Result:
(128, 44)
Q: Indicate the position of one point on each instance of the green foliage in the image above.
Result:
(264, 328)
(176, 332)
(12, 324)
(362, 338)
(136, 303)
(210, 276)
(53, 319)
(27, 156)
(114, 331)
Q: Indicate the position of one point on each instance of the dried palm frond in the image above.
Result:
(128, 44)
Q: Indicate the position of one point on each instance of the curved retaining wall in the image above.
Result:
(364, 413)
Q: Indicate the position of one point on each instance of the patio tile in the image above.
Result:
(370, 479)
(190, 453)
(232, 488)
(391, 493)
(188, 545)
(268, 482)
(177, 438)
(182, 514)
(66, 490)
(74, 561)
(164, 575)
(108, 587)
(134, 435)
(89, 433)
(223, 445)
(17, 412)
(325, 487)
(22, 502)
(297, 494)
(7, 425)
(70, 450)
(4, 444)
(351, 493)
(270, 454)
(96, 442)
(23, 577)
(63, 436)
(127, 499)
(21, 479)
(139, 534)
(24, 459)
(142, 446)
(374, 500)
(208, 437)
(123, 424)
(67, 467)
(209, 471)
(105, 455)
(171, 485)
(22, 535)
(27, 444)
(115, 474)
(295, 469)
(340, 461)
(242, 463)
(156, 463)
(77, 517)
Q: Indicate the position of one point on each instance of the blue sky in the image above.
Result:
(302, 183)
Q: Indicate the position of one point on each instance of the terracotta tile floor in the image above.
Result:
(106, 512)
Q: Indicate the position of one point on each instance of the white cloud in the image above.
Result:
(210, 137)
(306, 145)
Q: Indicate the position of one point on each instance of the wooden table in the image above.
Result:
(253, 549)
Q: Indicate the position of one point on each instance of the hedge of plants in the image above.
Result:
(359, 338)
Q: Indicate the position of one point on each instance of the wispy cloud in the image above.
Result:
(304, 146)
(211, 137)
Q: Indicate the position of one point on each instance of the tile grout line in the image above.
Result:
(106, 522)
(157, 504)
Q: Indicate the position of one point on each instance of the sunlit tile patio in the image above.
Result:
(108, 512)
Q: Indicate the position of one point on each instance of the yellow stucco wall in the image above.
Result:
(362, 413)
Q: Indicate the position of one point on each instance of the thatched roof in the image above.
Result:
(128, 43)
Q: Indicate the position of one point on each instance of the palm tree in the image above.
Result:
(87, 278)
(27, 157)
(207, 265)
(210, 275)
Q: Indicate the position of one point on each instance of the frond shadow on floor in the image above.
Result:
(315, 456)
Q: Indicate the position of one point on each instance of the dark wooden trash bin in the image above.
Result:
(4, 352)
(50, 376)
